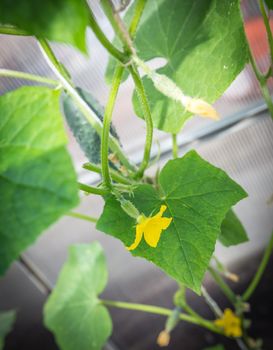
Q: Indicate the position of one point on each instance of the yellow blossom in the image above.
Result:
(230, 323)
(151, 228)
(200, 107)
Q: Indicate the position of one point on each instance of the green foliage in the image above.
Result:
(7, 320)
(269, 4)
(198, 196)
(232, 230)
(204, 44)
(57, 20)
(85, 134)
(73, 311)
(37, 180)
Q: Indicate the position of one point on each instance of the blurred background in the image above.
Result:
(241, 143)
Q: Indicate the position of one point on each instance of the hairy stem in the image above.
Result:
(211, 302)
(90, 116)
(262, 81)
(118, 25)
(27, 76)
(120, 56)
(81, 216)
(93, 190)
(53, 59)
(184, 304)
(174, 146)
(10, 30)
(148, 119)
(268, 29)
(222, 284)
(139, 8)
(114, 174)
(161, 311)
(257, 277)
(106, 125)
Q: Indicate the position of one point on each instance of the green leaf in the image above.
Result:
(232, 230)
(84, 133)
(7, 320)
(269, 4)
(198, 196)
(37, 180)
(57, 20)
(204, 44)
(73, 311)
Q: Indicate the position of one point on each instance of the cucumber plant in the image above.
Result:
(174, 218)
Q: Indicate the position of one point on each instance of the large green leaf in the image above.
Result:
(73, 311)
(232, 230)
(7, 319)
(37, 179)
(85, 134)
(204, 44)
(198, 196)
(57, 20)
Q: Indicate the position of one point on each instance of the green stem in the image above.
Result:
(222, 284)
(175, 146)
(185, 306)
(211, 302)
(257, 277)
(267, 97)
(104, 41)
(242, 344)
(161, 311)
(107, 123)
(268, 29)
(117, 24)
(114, 174)
(10, 30)
(93, 190)
(90, 116)
(53, 59)
(262, 81)
(139, 7)
(27, 76)
(82, 216)
(148, 119)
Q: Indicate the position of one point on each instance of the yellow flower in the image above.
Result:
(151, 228)
(200, 107)
(230, 323)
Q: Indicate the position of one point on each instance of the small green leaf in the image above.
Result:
(7, 320)
(86, 136)
(198, 196)
(232, 230)
(37, 180)
(73, 311)
(57, 20)
(204, 44)
(269, 4)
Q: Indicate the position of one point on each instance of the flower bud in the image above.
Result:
(163, 338)
(200, 107)
(232, 276)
